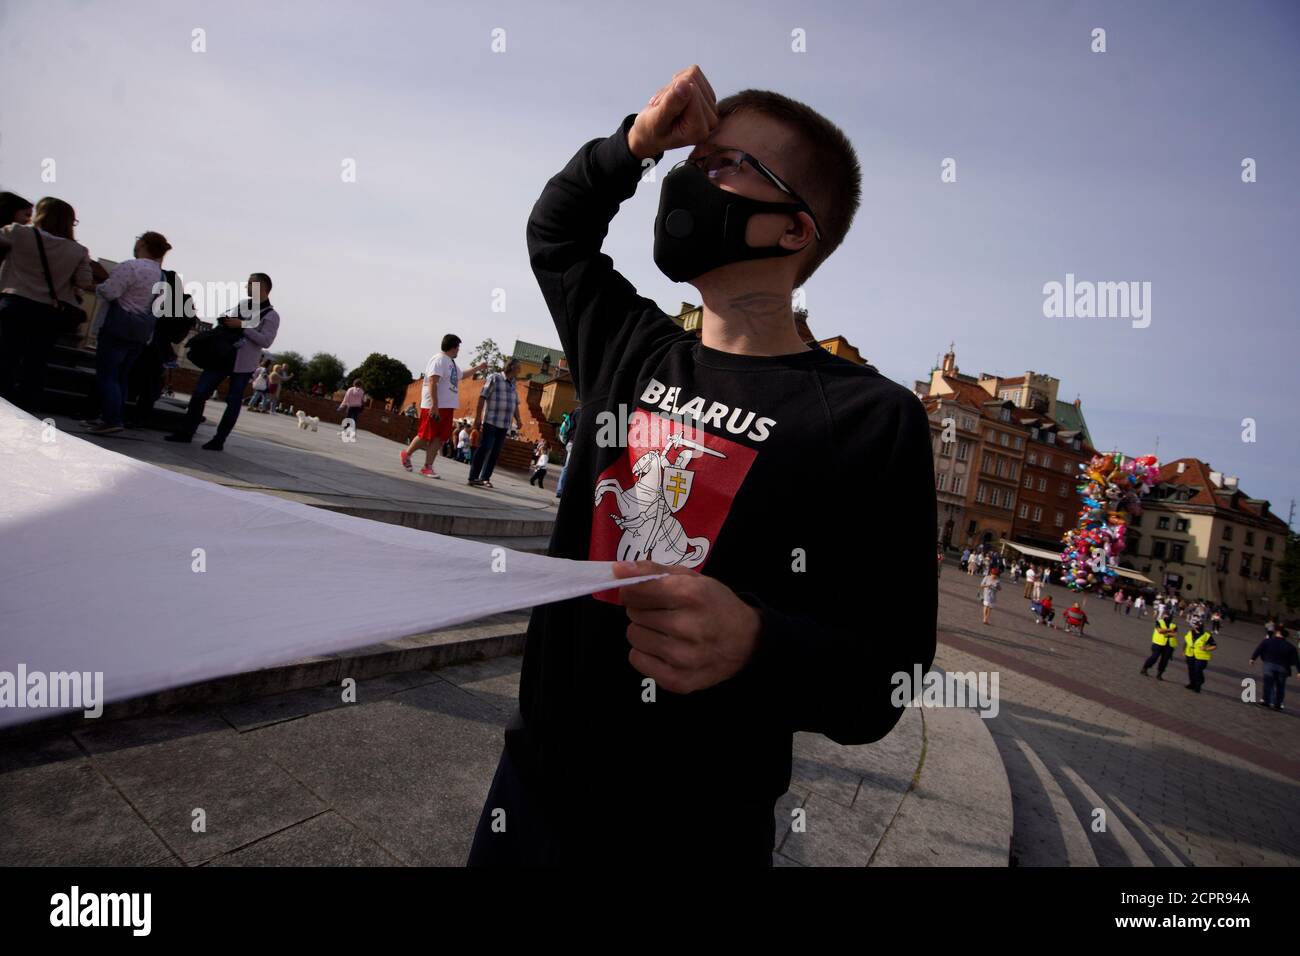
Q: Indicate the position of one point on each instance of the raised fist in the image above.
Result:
(683, 113)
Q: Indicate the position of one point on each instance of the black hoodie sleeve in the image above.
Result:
(596, 311)
(833, 673)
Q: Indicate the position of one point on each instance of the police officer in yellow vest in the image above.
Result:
(1198, 648)
(1163, 640)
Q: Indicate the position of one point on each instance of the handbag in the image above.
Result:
(214, 349)
(134, 327)
(67, 317)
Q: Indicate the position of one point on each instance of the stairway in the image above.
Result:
(70, 389)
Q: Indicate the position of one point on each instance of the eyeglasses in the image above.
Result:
(726, 163)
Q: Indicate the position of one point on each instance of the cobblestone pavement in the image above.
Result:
(1180, 778)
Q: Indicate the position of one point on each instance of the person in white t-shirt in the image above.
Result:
(462, 443)
(438, 400)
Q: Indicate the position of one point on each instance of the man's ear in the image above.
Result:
(799, 234)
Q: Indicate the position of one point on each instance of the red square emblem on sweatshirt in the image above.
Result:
(666, 498)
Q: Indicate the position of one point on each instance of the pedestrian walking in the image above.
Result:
(989, 588)
(1163, 641)
(1198, 649)
(264, 325)
(439, 396)
(539, 469)
(498, 403)
(354, 399)
(1279, 656)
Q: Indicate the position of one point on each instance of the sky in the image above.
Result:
(1115, 166)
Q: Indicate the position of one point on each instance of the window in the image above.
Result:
(1227, 532)
(963, 450)
(1158, 549)
(1042, 484)
(1033, 433)
(1006, 440)
(1024, 510)
(981, 493)
(1047, 461)
(1069, 467)
(1006, 415)
(1038, 514)
(1250, 539)
(1029, 481)
(1060, 519)
(1019, 443)
(941, 482)
(1051, 438)
(1265, 569)
(1065, 489)
(1011, 501)
(1163, 523)
(1002, 467)
(1245, 565)
(1268, 544)
(988, 435)
(1182, 524)
(956, 485)
(968, 424)
(1077, 444)
(1032, 457)
(1176, 551)
(948, 448)
(1015, 470)
(987, 466)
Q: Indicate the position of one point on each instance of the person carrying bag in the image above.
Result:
(131, 293)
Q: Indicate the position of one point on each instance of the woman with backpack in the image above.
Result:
(130, 291)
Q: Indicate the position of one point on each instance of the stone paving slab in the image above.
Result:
(270, 454)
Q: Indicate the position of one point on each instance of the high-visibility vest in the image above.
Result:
(1200, 647)
(1166, 632)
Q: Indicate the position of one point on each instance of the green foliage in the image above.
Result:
(382, 377)
(324, 368)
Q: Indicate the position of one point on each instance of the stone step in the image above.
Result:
(490, 637)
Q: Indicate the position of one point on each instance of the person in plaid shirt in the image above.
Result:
(497, 404)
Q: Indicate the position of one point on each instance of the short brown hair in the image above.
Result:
(155, 243)
(54, 216)
(825, 172)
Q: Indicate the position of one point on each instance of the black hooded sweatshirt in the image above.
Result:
(808, 490)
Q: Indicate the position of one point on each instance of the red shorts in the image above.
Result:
(439, 430)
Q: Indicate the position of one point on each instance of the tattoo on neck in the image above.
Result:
(760, 305)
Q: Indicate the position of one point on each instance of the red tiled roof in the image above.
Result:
(1233, 501)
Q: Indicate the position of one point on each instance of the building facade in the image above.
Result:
(955, 439)
(1203, 537)
(1049, 502)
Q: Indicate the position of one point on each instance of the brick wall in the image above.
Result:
(515, 454)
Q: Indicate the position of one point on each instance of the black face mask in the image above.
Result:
(701, 226)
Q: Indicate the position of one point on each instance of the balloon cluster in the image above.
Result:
(1112, 488)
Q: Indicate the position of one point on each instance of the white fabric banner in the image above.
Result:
(157, 579)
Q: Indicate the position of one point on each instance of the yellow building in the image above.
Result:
(1200, 535)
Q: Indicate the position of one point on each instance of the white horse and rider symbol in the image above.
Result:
(646, 525)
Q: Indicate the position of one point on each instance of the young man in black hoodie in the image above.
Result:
(757, 473)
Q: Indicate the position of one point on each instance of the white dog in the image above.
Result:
(306, 421)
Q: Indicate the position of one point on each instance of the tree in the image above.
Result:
(294, 363)
(488, 352)
(1289, 573)
(324, 368)
(382, 377)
